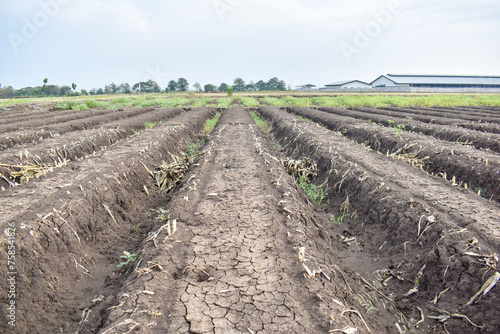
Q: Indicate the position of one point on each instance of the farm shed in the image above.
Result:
(347, 84)
(306, 87)
(436, 81)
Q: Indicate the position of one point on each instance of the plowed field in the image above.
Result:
(141, 221)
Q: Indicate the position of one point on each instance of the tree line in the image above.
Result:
(150, 86)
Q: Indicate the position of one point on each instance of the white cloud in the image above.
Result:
(256, 39)
(117, 15)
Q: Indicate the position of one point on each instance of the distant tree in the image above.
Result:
(44, 82)
(210, 88)
(153, 86)
(107, 89)
(172, 86)
(197, 86)
(124, 88)
(52, 90)
(65, 90)
(113, 88)
(261, 85)
(100, 91)
(6, 92)
(250, 86)
(223, 87)
(84, 92)
(276, 84)
(149, 86)
(92, 91)
(73, 85)
(182, 85)
(239, 84)
(282, 85)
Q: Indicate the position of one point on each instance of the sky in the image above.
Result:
(96, 42)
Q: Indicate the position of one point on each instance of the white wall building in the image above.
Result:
(347, 84)
(437, 81)
(306, 87)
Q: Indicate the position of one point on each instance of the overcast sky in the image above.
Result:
(96, 42)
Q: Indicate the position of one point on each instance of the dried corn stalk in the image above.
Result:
(411, 158)
(28, 172)
(487, 286)
(306, 168)
(169, 174)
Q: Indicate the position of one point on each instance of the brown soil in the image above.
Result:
(232, 264)
(480, 140)
(388, 201)
(36, 121)
(486, 111)
(451, 119)
(464, 166)
(29, 108)
(77, 144)
(11, 139)
(72, 226)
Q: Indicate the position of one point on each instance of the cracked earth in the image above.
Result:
(240, 225)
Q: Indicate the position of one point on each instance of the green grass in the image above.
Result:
(315, 193)
(121, 102)
(249, 102)
(201, 102)
(283, 99)
(224, 102)
(481, 192)
(273, 101)
(194, 148)
(261, 123)
(345, 101)
(210, 124)
(149, 125)
(128, 260)
(340, 219)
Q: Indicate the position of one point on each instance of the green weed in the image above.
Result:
(340, 219)
(398, 128)
(366, 303)
(304, 118)
(481, 192)
(201, 102)
(276, 145)
(128, 259)
(149, 125)
(194, 148)
(249, 102)
(314, 192)
(261, 123)
(210, 124)
(224, 102)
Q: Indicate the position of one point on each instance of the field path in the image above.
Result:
(237, 271)
(237, 238)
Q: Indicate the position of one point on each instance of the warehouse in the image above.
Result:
(437, 81)
(347, 84)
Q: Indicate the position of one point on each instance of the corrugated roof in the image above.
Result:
(340, 83)
(444, 79)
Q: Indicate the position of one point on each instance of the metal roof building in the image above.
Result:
(346, 84)
(305, 87)
(436, 81)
